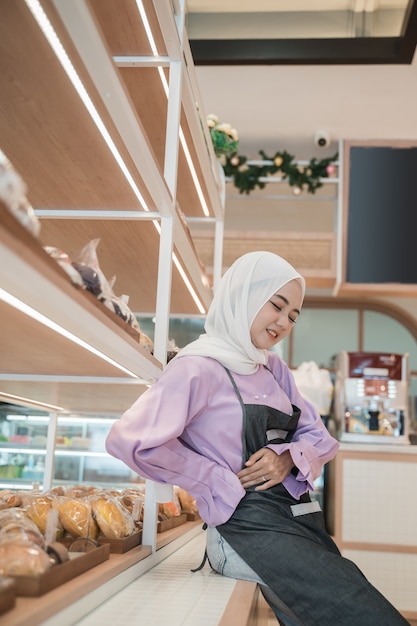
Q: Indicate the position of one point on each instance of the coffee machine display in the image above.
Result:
(371, 397)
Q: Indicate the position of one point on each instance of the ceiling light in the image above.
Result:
(39, 317)
(189, 160)
(58, 48)
(30, 402)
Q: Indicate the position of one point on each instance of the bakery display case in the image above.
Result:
(79, 458)
(102, 119)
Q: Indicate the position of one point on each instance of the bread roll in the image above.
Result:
(173, 508)
(9, 499)
(38, 509)
(77, 518)
(22, 531)
(134, 502)
(23, 559)
(13, 515)
(113, 519)
(188, 503)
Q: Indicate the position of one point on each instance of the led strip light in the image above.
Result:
(39, 317)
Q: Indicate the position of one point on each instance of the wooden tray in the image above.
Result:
(172, 522)
(119, 546)
(7, 594)
(58, 574)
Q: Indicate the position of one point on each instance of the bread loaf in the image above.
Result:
(77, 518)
(23, 559)
(113, 519)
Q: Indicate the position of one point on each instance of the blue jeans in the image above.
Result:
(225, 560)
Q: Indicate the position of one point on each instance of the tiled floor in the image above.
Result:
(169, 594)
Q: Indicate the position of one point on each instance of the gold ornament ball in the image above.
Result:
(296, 191)
(278, 161)
(234, 161)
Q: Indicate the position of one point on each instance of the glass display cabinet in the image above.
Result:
(79, 454)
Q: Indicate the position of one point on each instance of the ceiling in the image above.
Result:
(303, 31)
(276, 104)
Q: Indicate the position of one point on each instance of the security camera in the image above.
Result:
(322, 139)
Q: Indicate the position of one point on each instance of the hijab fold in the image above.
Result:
(243, 290)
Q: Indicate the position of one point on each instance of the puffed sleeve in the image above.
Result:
(312, 446)
(148, 438)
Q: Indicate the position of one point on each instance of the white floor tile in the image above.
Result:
(169, 594)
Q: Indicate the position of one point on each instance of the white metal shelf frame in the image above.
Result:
(81, 27)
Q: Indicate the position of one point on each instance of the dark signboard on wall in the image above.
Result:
(382, 215)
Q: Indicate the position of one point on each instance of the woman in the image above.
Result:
(226, 422)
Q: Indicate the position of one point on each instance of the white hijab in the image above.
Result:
(243, 290)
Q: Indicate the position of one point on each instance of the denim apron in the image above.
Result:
(285, 542)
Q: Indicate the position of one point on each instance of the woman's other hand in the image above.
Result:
(265, 468)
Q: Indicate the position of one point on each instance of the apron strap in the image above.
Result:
(236, 389)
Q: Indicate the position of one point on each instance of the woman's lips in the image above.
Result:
(272, 333)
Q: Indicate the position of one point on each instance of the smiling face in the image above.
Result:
(276, 318)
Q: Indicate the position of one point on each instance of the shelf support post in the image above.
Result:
(48, 474)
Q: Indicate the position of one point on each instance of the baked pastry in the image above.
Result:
(9, 499)
(80, 491)
(23, 559)
(113, 519)
(188, 503)
(20, 531)
(133, 501)
(77, 519)
(173, 508)
(13, 514)
(39, 509)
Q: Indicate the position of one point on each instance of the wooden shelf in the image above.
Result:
(34, 611)
(29, 347)
(58, 150)
(79, 191)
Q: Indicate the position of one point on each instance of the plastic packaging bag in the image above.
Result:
(315, 385)
(13, 195)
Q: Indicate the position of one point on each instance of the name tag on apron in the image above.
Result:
(304, 508)
(276, 433)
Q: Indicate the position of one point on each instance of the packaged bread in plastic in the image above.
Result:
(38, 508)
(9, 499)
(188, 503)
(171, 509)
(23, 559)
(20, 530)
(13, 195)
(76, 516)
(79, 491)
(113, 519)
(134, 501)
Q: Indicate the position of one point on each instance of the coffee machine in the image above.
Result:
(371, 397)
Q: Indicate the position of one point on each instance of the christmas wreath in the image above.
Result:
(247, 175)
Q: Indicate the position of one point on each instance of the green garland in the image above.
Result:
(246, 176)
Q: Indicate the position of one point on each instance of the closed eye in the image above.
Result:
(276, 306)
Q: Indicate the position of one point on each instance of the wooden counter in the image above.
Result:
(373, 511)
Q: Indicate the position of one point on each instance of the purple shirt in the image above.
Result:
(186, 430)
